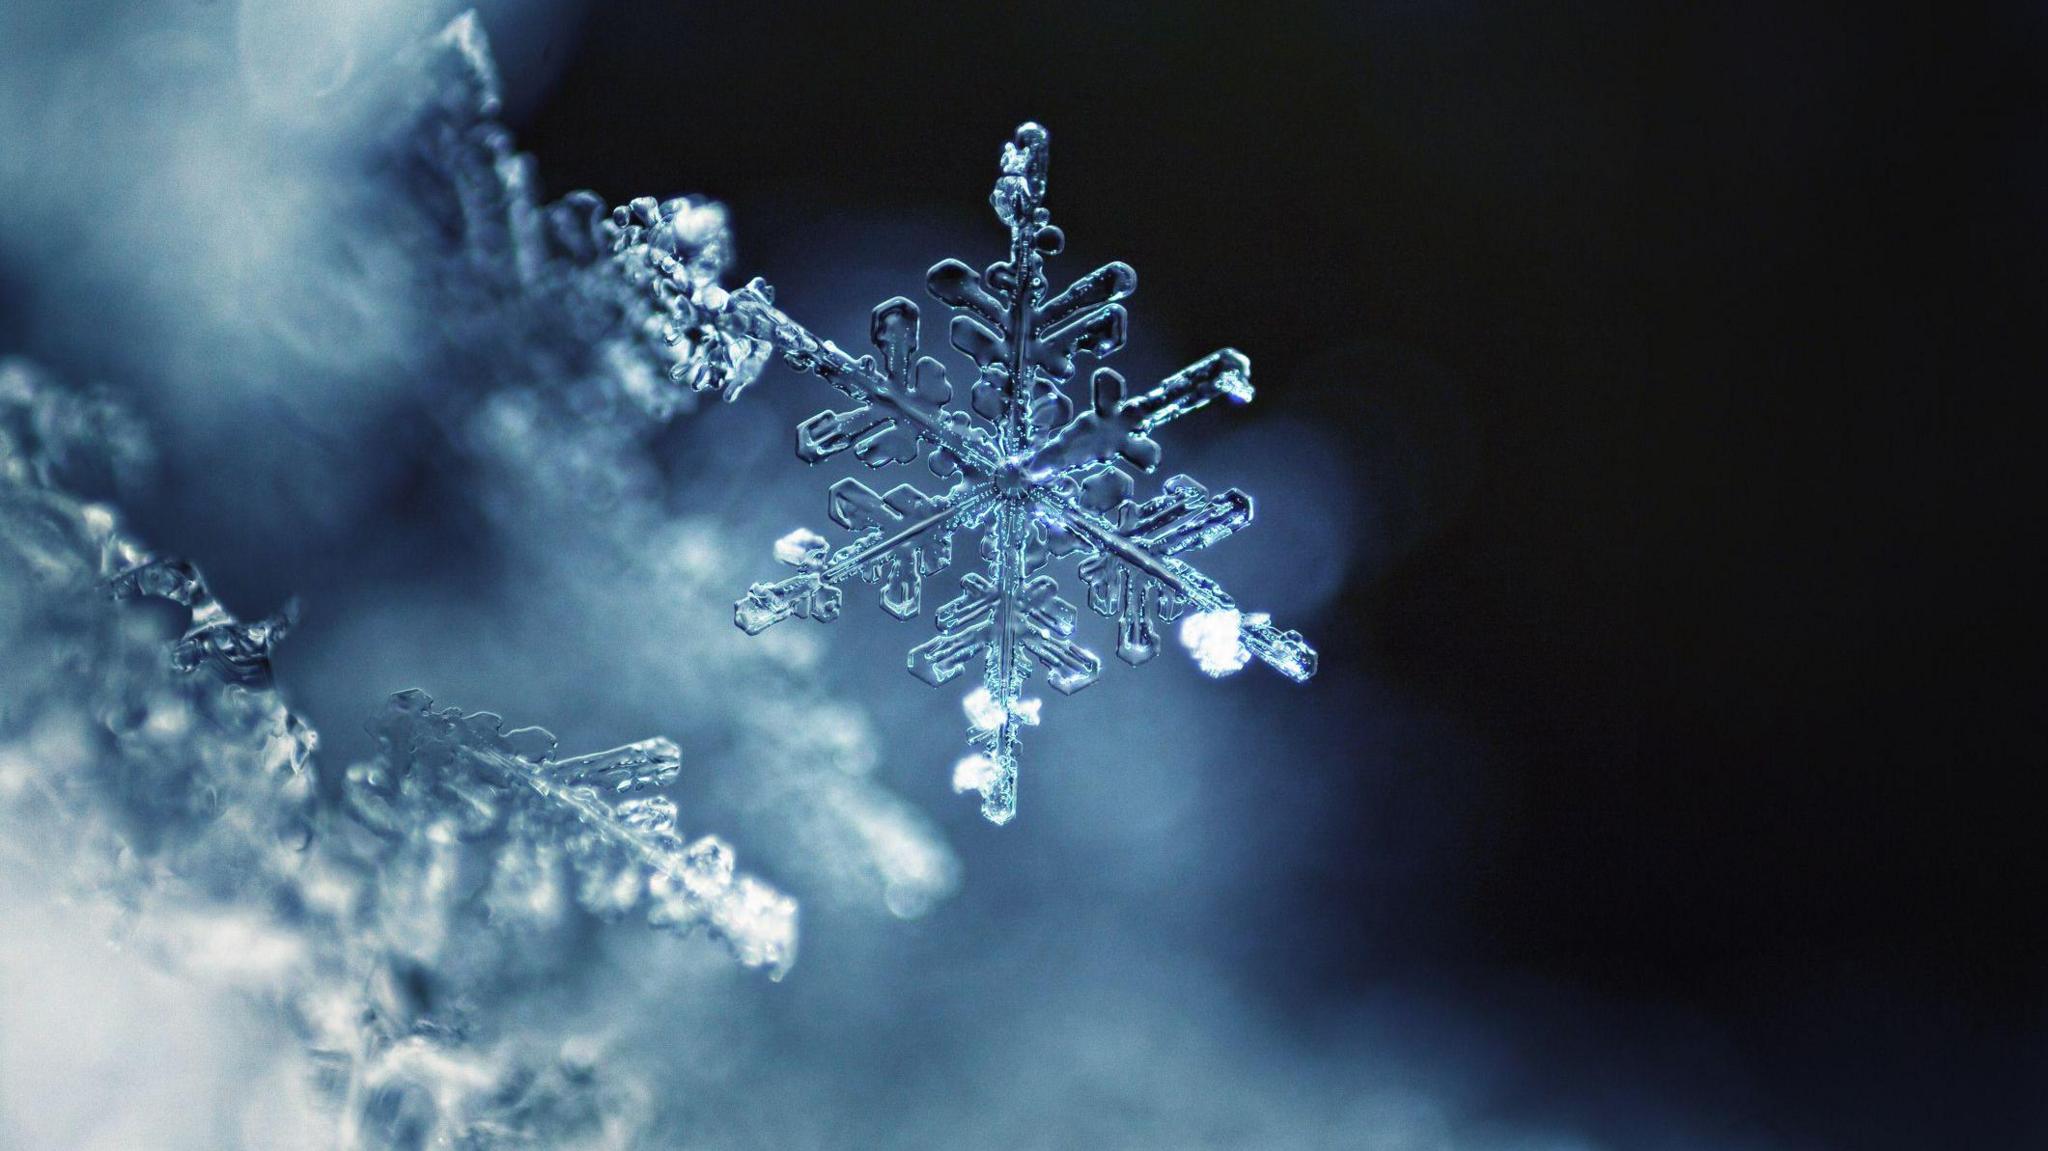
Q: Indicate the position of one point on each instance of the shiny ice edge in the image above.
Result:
(1036, 477)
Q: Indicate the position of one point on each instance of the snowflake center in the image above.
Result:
(1013, 479)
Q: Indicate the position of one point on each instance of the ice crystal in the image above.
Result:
(1035, 476)
(549, 825)
(238, 652)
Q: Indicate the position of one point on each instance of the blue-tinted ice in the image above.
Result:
(1035, 475)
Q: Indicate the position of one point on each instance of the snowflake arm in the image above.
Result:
(1036, 479)
(1014, 622)
(1118, 427)
(902, 398)
(1148, 580)
(543, 816)
(894, 549)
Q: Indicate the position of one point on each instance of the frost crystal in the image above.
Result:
(1034, 476)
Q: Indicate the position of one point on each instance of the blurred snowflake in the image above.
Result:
(151, 770)
(564, 337)
(1035, 477)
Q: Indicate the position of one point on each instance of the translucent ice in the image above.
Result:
(552, 825)
(564, 334)
(1036, 475)
(236, 651)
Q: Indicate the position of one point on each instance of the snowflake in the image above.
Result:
(1035, 478)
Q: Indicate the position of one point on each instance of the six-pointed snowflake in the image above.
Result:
(1035, 478)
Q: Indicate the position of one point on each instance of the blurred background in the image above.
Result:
(1615, 443)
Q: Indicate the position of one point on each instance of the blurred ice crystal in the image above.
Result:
(630, 282)
(573, 333)
(543, 824)
(157, 772)
(1037, 478)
